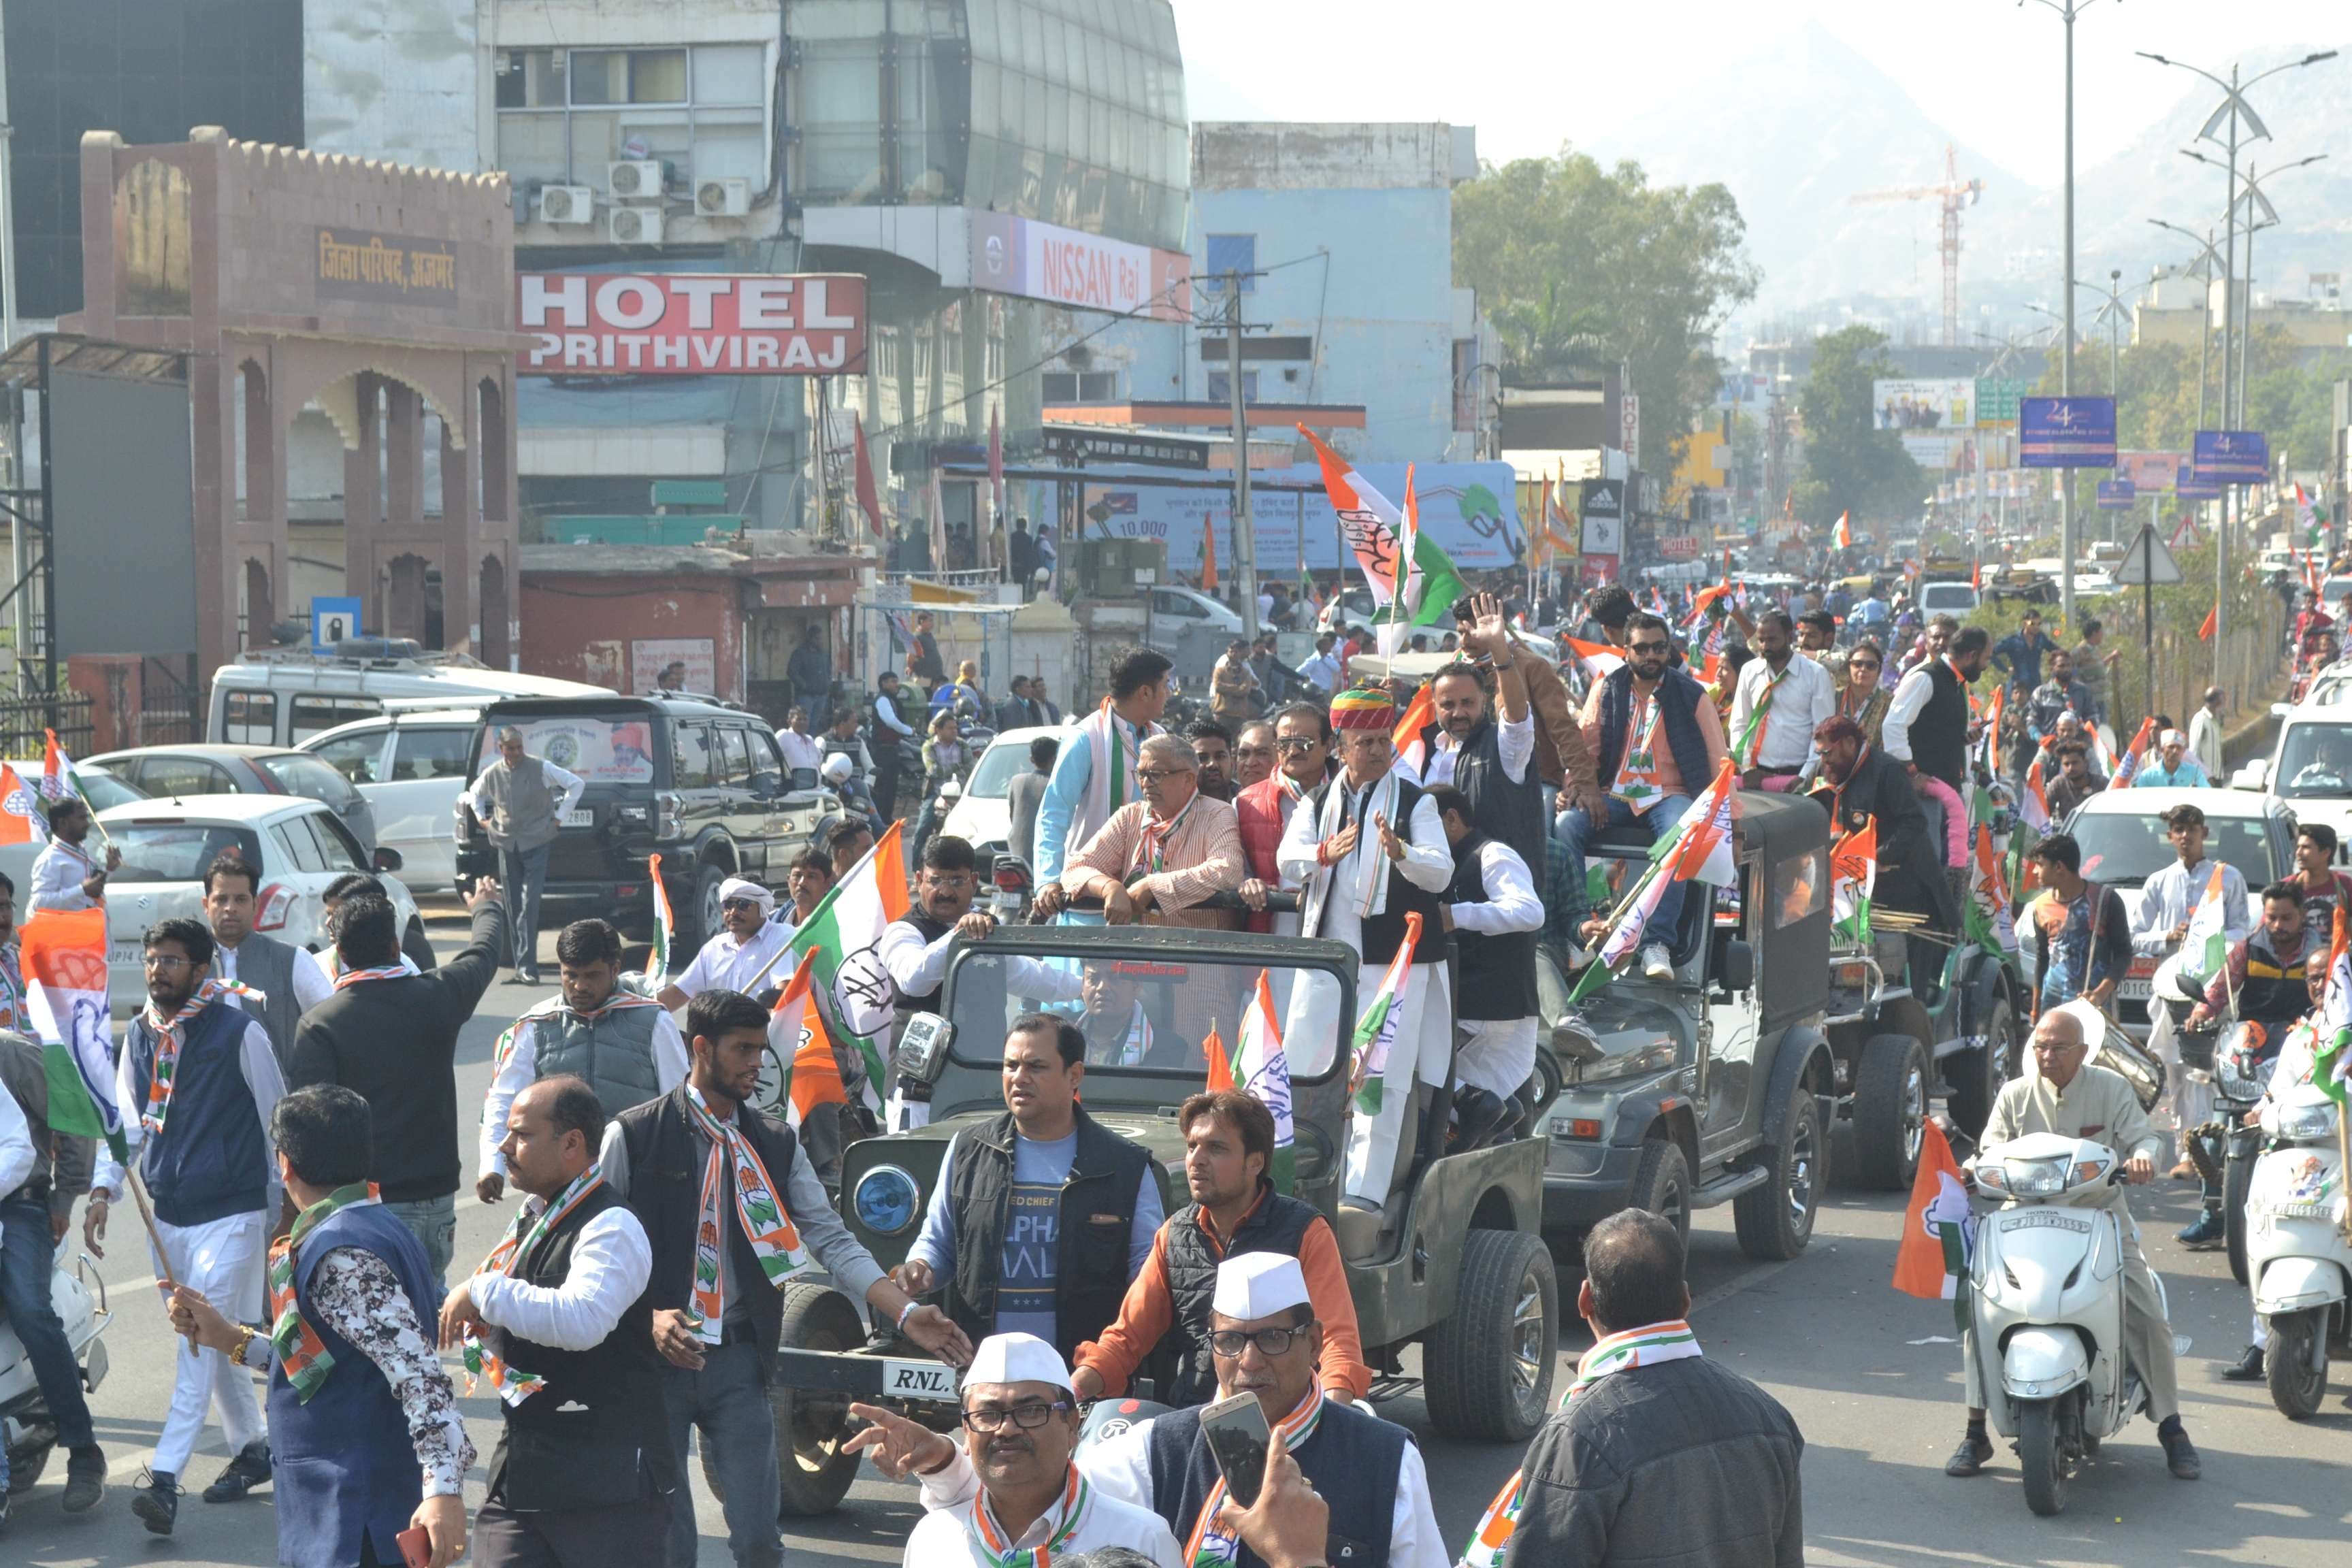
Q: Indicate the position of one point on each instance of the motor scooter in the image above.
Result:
(2047, 1302)
(25, 1425)
(2298, 1249)
(2241, 1063)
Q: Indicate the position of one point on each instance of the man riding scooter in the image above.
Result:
(2168, 903)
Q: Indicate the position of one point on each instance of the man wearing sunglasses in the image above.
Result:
(1302, 749)
(742, 956)
(1264, 1340)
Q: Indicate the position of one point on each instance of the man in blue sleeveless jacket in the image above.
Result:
(354, 1462)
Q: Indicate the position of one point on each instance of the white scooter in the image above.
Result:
(25, 1424)
(2297, 1253)
(2048, 1304)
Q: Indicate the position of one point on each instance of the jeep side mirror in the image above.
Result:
(1739, 972)
(922, 1053)
(387, 860)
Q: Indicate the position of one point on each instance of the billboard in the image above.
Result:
(2115, 495)
(1067, 267)
(110, 514)
(2232, 457)
(2186, 486)
(2149, 470)
(1469, 509)
(1954, 451)
(2066, 432)
(1996, 400)
(691, 323)
(1940, 404)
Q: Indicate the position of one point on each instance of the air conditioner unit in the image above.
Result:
(722, 198)
(567, 204)
(638, 177)
(633, 225)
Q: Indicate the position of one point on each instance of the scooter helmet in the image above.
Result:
(1111, 1418)
(836, 770)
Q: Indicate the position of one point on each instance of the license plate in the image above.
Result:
(919, 1380)
(126, 952)
(579, 817)
(2131, 990)
(2304, 1211)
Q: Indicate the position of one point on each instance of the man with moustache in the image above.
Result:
(1155, 861)
(1302, 745)
(1252, 754)
(1212, 749)
(743, 956)
(1490, 757)
(65, 875)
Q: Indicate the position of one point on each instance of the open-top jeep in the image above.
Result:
(1454, 1261)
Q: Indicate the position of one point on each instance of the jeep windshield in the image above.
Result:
(2316, 759)
(2124, 850)
(1147, 1010)
(601, 748)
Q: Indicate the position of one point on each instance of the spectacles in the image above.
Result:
(1153, 776)
(169, 963)
(1292, 745)
(1646, 648)
(739, 903)
(1029, 1416)
(1229, 1342)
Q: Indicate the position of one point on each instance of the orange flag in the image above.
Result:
(1932, 1260)
(1208, 555)
(2212, 622)
(1419, 714)
(21, 821)
(797, 1037)
(1221, 1069)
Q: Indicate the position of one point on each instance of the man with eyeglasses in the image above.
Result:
(743, 956)
(1154, 861)
(197, 1079)
(1264, 1340)
(1302, 746)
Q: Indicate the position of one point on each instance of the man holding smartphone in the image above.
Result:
(1265, 1341)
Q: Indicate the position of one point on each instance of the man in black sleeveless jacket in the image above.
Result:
(583, 1474)
(1486, 748)
(1495, 914)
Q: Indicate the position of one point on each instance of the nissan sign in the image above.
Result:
(1085, 271)
(692, 323)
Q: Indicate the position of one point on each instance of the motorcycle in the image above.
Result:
(24, 1422)
(2225, 1148)
(2297, 1248)
(2047, 1299)
(1011, 884)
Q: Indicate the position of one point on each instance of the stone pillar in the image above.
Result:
(459, 532)
(403, 460)
(362, 522)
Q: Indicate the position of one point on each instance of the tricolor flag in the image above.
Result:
(1600, 659)
(797, 1038)
(1264, 1071)
(2332, 1065)
(1939, 1230)
(2133, 755)
(1220, 1066)
(657, 963)
(1373, 526)
(1698, 848)
(56, 768)
(1853, 874)
(21, 821)
(843, 935)
(64, 957)
(1419, 715)
(2205, 949)
(1844, 535)
(2034, 799)
(1376, 1028)
(1986, 920)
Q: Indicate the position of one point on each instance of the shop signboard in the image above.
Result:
(1045, 262)
(2066, 432)
(691, 323)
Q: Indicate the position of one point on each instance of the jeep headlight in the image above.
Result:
(2307, 1123)
(886, 1201)
(1656, 1056)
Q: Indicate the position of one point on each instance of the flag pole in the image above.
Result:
(147, 1218)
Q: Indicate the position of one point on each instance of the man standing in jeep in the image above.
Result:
(1040, 1219)
(521, 801)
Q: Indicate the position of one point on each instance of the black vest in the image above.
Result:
(1353, 1460)
(1096, 1219)
(1383, 934)
(596, 1435)
(666, 1159)
(2276, 991)
(1277, 1225)
(907, 1006)
(1498, 973)
(1500, 809)
(1939, 735)
(1678, 700)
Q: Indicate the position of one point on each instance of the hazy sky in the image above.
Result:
(1532, 73)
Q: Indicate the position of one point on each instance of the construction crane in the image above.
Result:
(1955, 193)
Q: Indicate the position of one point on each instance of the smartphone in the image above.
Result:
(415, 1547)
(1238, 1441)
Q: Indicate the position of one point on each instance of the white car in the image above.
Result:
(982, 817)
(1957, 600)
(411, 766)
(299, 845)
(2309, 770)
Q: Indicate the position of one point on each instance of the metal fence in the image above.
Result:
(24, 721)
(2250, 664)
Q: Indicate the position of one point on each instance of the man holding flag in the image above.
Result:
(65, 875)
(1862, 789)
(2195, 889)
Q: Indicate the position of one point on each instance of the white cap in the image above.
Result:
(2171, 738)
(736, 888)
(1254, 1285)
(1017, 1358)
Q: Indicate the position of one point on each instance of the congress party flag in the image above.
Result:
(1419, 714)
(1376, 1029)
(21, 821)
(1938, 1231)
(1220, 1066)
(1369, 520)
(1853, 874)
(64, 956)
(2205, 948)
(2333, 1020)
(843, 935)
(1264, 1071)
(2034, 799)
(658, 965)
(1600, 659)
(798, 1041)
(1846, 531)
(2134, 756)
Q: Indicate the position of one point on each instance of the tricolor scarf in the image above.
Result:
(12, 990)
(1151, 849)
(351, 977)
(1113, 747)
(995, 1546)
(1752, 739)
(1339, 796)
(1138, 1043)
(1211, 1547)
(523, 1233)
(302, 1355)
(1646, 1346)
(169, 1033)
(758, 1208)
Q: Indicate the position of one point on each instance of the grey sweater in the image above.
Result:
(1680, 1464)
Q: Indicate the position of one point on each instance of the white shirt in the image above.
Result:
(58, 875)
(263, 1077)
(2205, 742)
(1120, 1468)
(1511, 903)
(311, 985)
(727, 964)
(945, 1536)
(611, 1260)
(801, 750)
(1515, 742)
(16, 1145)
(1428, 864)
(568, 787)
(2168, 897)
(1902, 710)
(1803, 696)
(1323, 670)
(521, 1070)
(917, 967)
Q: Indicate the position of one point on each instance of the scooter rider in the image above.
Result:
(2265, 981)
(2061, 1094)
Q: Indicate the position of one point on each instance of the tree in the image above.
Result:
(1850, 464)
(1581, 266)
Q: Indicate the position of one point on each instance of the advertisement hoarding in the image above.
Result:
(691, 323)
(2115, 495)
(1085, 271)
(2232, 457)
(1938, 405)
(2066, 432)
(2149, 470)
(2186, 486)
(1469, 509)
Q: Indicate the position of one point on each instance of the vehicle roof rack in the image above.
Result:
(364, 653)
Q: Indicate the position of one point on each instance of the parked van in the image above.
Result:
(283, 696)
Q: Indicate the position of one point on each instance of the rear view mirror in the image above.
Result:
(2254, 775)
(387, 860)
(1739, 972)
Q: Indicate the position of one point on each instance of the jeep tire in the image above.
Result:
(1775, 1217)
(1662, 1184)
(1890, 1111)
(698, 919)
(1486, 1370)
(1979, 1072)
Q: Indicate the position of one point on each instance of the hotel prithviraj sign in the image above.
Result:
(691, 323)
(387, 270)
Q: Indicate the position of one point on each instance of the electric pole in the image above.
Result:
(1244, 531)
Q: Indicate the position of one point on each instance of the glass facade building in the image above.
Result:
(1068, 112)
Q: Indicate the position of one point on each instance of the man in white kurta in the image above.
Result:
(1348, 845)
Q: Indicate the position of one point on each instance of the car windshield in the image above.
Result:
(600, 749)
(2315, 759)
(177, 851)
(993, 780)
(2124, 850)
(102, 789)
(1146, 1017)
(299, 773)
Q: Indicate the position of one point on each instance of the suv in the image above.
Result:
(700, 784)
(1454, 1261)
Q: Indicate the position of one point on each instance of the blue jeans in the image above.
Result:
(27, 1256)
(434, 1222)
(1577, 831)
(524, 871)
(727, 1399)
